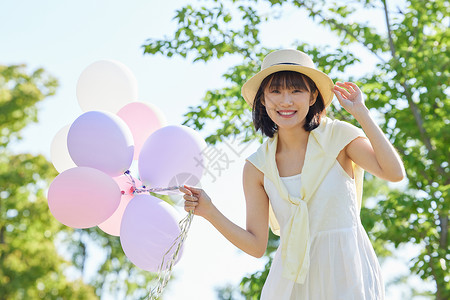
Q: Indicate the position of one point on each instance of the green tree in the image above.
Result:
(30, 266)
(407, 90)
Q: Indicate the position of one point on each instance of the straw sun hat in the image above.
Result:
(289, 60)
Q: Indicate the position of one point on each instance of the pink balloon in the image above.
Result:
(83, 197)
(142, 119)
(172, 155)
(112, 224)
(148, 230)
(101, 140)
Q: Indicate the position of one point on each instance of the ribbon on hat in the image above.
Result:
(323, 146)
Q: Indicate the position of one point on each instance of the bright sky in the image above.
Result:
(64, 37)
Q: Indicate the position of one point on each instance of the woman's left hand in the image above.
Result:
(350, 97)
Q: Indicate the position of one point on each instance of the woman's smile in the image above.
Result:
(287, 113)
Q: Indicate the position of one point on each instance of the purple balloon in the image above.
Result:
(83, 197)
(101, 140)
(169, 153)
(149, 228)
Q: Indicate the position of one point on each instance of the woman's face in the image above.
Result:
(287, 107)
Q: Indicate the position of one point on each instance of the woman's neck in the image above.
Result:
(292, 139)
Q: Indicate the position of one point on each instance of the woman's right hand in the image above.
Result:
(197, 201)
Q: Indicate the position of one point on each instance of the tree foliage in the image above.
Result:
(30, 265)
(408, 91)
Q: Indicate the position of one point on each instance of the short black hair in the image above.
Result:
(291, 80)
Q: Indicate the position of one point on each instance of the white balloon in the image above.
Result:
(106, 85)
(59, 153)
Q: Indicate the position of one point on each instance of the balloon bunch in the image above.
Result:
(94, 154)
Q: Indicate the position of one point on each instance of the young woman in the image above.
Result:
(305, 181)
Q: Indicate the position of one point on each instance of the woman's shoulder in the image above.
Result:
(252, 175)
(333, 127)
(327, 123)
(333, 135)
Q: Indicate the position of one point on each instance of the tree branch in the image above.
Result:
(388, 25)
(431, 263)
(2, 229)
(423, 133)
(414, 109)
(443, 219)
(339, 26)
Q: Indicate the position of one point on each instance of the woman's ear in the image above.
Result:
(313, 98)
(263, 101)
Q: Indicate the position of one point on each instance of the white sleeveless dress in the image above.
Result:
(343, 262)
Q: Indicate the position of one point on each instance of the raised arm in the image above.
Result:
(253, 239)
(376, 155)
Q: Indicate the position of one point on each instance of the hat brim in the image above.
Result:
(322, 81)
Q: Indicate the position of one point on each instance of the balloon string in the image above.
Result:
(165, 268)
(144, 189)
